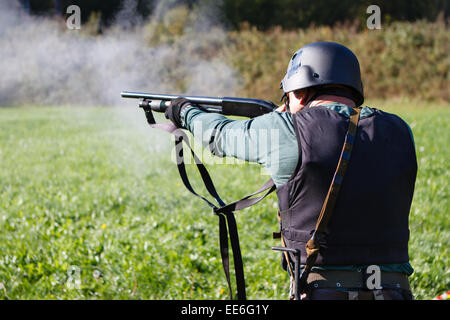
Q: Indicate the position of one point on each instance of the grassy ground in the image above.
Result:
(91, 207)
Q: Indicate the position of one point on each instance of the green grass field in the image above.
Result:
(91, 207)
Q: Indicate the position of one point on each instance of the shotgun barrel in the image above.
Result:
(226, 105)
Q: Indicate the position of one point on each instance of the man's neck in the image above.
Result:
(323, 99)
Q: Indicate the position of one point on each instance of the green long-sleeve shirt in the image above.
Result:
(268, 140)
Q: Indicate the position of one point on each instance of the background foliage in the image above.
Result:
(402, 59)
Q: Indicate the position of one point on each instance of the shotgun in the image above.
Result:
(243, 107)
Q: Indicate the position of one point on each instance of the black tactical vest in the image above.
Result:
(370, 222)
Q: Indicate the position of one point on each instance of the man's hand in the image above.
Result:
(174, 110)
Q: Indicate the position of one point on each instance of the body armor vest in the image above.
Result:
(369, 224)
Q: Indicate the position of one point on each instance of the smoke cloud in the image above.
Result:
(45, 63)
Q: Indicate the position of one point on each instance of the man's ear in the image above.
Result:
(305, 97)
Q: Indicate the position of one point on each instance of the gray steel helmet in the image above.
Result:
(321, 63)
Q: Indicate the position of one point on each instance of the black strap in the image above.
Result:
(248, 201)
(224, 212)
(224, 219)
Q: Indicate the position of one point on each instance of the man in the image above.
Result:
(367, 230)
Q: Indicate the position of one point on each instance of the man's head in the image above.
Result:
(323, 68)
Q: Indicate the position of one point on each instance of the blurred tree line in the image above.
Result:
(262, 14)
(291, 14)
(106, 9)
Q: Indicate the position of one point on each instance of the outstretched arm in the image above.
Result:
(268, 140)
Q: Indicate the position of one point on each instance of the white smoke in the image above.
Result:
(44, 63)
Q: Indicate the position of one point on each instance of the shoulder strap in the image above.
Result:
(313, 245)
